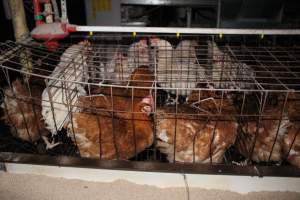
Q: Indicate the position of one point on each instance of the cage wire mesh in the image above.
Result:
(189, 99)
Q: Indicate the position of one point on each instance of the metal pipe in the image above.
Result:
(64, 15)
(175, 30)
(6, 9)
(219, 13)
(37, 12)
(188, 17)
(55, 9)
(18, 19)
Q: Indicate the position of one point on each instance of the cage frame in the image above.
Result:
(161, 167)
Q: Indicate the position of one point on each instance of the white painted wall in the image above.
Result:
(240, 184)
(103, 18)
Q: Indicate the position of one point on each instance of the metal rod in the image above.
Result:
(64, 15)
(219, 13)
(220, 169)
(188, 17)
(174, 30)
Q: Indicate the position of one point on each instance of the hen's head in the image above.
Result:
(146, 105)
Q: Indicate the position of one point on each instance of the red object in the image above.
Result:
(52, 45)
(44, 1)
(51, 32)
(37, 12)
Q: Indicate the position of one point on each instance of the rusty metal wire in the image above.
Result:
(242, 83)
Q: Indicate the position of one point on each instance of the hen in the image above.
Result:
(185, 51)
(114, 124)
(293, 106)
(227, 70)
(177, 68)
(291, 140)
(121, 67)
(59, 94)
(106, 62)
(291, 144)
(200, 134)
(260, 136)
(140, 77)
(138, 55)
(22, 107)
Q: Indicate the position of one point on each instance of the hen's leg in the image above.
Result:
(242, 163)
(48, 144)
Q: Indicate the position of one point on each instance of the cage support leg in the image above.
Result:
(2, 166)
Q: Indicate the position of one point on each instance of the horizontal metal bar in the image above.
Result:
(282, 171)
(171, 2)
(175, 30)
(8, 54)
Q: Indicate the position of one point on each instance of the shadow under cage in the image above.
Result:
(153, 102)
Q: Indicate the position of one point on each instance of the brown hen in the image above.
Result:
(291, 140)
(23, 111)
(121, 134)
(261, 137)
(198, 133)
(291, 144)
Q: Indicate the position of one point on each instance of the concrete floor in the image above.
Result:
(37, 187)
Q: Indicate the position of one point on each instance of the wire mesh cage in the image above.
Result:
(153, 98)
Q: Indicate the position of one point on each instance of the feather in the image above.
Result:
(120, 134)
(200, 136)
(177, 68)
(23, 111)
(228, 72)
(60, 96)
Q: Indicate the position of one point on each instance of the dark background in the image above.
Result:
(235, 14)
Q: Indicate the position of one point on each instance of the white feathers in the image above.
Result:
(60, 95)
(177, 68)
(173, 67)
(122, 72)
(115, 66)
(162, 135)
(186, 51)
(106, 63)
(138, 55)
(227, 71)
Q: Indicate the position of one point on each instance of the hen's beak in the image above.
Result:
(147, 109)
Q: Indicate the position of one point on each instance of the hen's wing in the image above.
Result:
(138, 55)
(109, 135)
(114, 122)
(291, 144)
(195, 138)
(23, 111)
(72, 67)
(291, 140)
(259, 138)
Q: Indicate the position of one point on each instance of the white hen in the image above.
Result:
(138, 55)
(177, 68)
(59, 96)
(227, 71)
